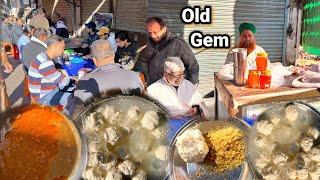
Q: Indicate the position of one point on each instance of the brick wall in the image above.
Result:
(63, 8)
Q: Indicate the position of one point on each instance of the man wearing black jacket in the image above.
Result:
(160, 45)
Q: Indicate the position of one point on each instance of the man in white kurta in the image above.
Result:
(247, 40)
(178, 95)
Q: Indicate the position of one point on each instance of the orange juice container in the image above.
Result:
(262, 61)
(253, 79)
(265, 79)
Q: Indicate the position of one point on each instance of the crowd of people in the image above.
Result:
(166, 69)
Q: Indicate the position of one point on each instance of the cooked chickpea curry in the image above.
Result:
(40, 145)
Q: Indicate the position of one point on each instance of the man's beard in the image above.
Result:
(250, 46)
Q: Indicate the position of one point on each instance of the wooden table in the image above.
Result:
(233, 98)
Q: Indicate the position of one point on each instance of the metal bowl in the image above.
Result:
(180, 168)
(8, 117)
(305, 112)
(124, 101)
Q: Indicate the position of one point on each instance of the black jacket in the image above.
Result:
(152, 58)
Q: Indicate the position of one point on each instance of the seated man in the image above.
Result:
(248, 41)
(126, 47)
(59, 27)
(107, 77)
(91, 29)
(104, 33)
(177, 94)
(47, 85)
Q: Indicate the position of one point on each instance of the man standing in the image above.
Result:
(47, 85)
(162, 44)
(34, 47)
(107, 77)
(248, 41)
(4, 99)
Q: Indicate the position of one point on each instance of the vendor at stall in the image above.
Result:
(247, 40)
(178, 95)
(47, 85)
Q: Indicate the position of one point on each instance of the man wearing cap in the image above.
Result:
(247, 40)
(91, 29)
(104, 33)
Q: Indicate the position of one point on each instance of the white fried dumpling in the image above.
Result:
(264, 127)
(191, 146)
(140, 175)
(133, 114)
(113, 174)
(315, 175)
(306, 143)
(107, 111)
(92, 147)
(158, 133)
(127, 167)
(111, 135)
(291, 113)
(292, 175)
(93, 159)
(162, 153)
(314, 154)
(110, 114)
(313, 132)
(280, 159)
(302, 174)
(89, 123)
(260, 142)
(262, 161)
(88, 174)
(275, 120)
(107, 160)
(150, 120)
(270, 173)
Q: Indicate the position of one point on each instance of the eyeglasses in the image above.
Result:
(172, 76)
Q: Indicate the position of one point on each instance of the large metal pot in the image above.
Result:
(306, 112)
(125, 101)
(8, 117)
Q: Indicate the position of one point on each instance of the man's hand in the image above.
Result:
(193, 112)
(8, 67)
(85, 45)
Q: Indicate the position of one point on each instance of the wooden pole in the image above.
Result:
(292, 33)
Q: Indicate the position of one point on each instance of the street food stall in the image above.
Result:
(233, 100)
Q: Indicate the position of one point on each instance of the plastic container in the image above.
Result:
(265, 79)
(75, 65)
(262, 61)
(253, 79)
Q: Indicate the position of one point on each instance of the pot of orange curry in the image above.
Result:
(38, 142)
